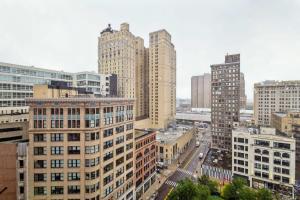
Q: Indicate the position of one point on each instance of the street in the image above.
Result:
(190, 166)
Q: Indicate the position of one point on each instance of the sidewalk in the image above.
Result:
(165, 174)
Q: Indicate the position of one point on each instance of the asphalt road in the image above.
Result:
(188, 168)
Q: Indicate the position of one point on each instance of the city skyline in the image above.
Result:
(266, 38)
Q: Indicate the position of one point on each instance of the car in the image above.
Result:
(200, 156)
(197, 144)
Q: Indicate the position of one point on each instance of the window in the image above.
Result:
(108, 179)
(107, 144)
(119, 150)
(40, 164)
(92, 162)
(39, 150)
(108, 132)
(92, 136)
(57, 118)
(73, 163)
(39, 118)
(39, 137)
(119, 161)
(129, 126)
(57, 163)
(92, 117)
(108, 190)
(40, 191)
(108, 167)
(108, 115)
(108, 156)
(38, 177)
(74, 137)
(120, 129)
(57, 190)
(57, 150)
(73, 118)
(73, 149)
(119, 140)
(285, 179)
(285, 171)
(92, 149)
(262, 143)
(73, 189)
(92, 175)
(57, 176)
(57, 137)
(73, 176)
(281, 145)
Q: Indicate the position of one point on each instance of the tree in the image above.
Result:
(232, 190)
(246, 193)
(264, 194)
(212, 185)
(188, 190)
(203, 192)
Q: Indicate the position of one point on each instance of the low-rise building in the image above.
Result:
(145, 161)
(173, 142)
(264, 158)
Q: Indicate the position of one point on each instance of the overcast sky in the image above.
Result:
(62, 35)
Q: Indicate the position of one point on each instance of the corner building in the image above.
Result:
(225, 96)
(81, 148)
(162, 71)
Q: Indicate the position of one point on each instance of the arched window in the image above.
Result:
(146, 151)
(139, 156)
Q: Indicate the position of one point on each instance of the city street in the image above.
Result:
(190, 166)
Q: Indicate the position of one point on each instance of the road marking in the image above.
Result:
(185, 171)
(168, 193)
(171, 183)
(190, 159)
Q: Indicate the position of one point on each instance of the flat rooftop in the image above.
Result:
(171, 135)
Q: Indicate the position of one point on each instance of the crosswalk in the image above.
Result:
(171, 183)
(185, 171)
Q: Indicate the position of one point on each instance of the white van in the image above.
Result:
(200, 156)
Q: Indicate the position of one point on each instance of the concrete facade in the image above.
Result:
(274, 96)
(170, 144)
(225, 106)
(264, 159)
(201, 91)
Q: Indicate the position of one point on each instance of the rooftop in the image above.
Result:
(139, 133)
(79, 98)
(171, 135)
(277, 83)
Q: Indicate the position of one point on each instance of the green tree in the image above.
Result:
(264, 194)
(188, 190)
(203, 192)
(246, 193)
(212, 185)
(232, 190)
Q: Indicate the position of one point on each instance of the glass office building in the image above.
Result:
(16, 82)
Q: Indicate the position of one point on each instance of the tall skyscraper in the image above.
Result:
(243, 97)
(124, 54)
(225, 96)
(162, 70)
(201, 91)
(116, 53)
(274, 96)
